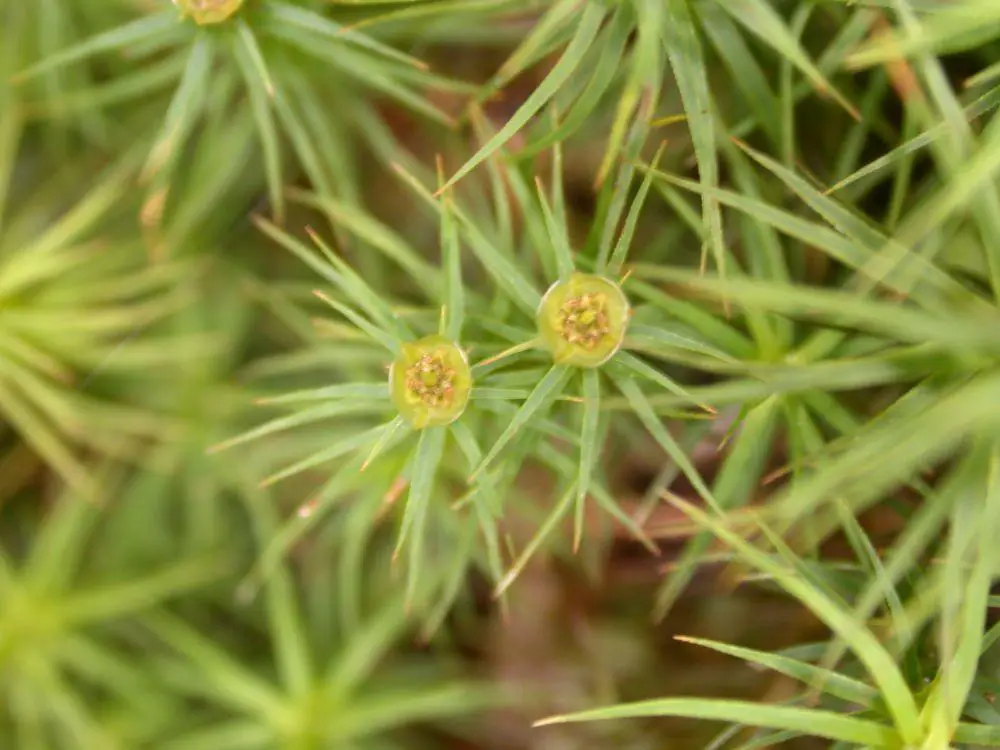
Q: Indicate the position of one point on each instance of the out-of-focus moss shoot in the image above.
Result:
(430, 382)
(583, 319)
(204, 12)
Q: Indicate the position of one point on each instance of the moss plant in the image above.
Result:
(420, 419)
(220, 48)
(56, 636)
(355, 354)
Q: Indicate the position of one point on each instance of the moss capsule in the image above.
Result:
(582, 320)
(204, 12)
(430, 382)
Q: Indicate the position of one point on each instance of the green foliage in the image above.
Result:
(323, 325)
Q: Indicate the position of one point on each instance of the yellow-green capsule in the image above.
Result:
(582, 320)
(430, 382)
(204, 12)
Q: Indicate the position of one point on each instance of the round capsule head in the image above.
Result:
(582, 320)
(430, 382)
(204, 12)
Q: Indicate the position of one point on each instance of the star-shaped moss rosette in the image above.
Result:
(297, 79)
(65, 611)
(304, 676)
(419, 422)
(72, 293)
(571, 341)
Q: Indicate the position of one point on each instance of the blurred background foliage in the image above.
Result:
(771, 519)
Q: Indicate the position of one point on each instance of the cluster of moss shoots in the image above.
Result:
(581, 321)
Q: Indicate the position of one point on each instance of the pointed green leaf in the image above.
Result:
(642, 408)
(505, 272)
(426, 461)
(835, 684)
(186, 105)
(251, 63)
(552, 520)
(362, 654)
(214, 671)
(589, 448)
(763, 20)
(541, 398)
(587, 28)
(624, 244)
(381, 237)
(339, 448)
(555, 221)
(687, 61)
(606, 67)
(363, 391)
(303, 21)
(137, 32)
(809, 721)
